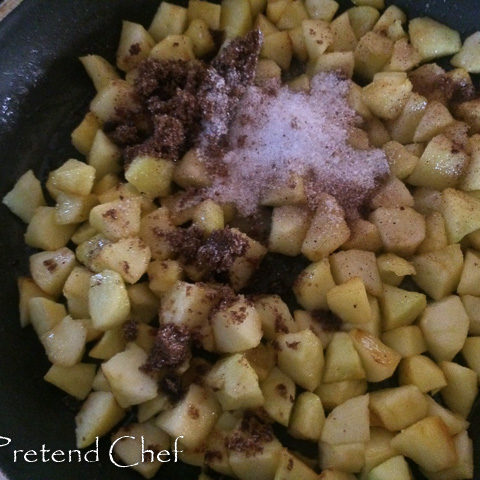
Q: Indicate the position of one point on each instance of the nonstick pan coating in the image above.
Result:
(44, 93)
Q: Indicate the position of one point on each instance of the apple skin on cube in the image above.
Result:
(235, 383)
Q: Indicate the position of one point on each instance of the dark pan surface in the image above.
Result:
(43, 95)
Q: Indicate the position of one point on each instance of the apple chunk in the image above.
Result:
(427, 443)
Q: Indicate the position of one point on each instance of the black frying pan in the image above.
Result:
(43, 95)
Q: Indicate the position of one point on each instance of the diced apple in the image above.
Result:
(379, 361)
(348, 423)
(300, 356)
(428, 444)
(445, 326)
(129, 384)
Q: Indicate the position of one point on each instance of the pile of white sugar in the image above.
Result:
(276, 134)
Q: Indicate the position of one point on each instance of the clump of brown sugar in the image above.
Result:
(215, 253)
(251, 437)
(182, 104)
(221, 249)
(171, 348)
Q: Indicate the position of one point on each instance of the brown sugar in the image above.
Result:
(171, 348)
(185, 103)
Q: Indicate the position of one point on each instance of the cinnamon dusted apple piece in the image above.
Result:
(134, 45)
(193, 417)
(236, 326)
(235, 383)
(312, 285)
(279, 393)
(401, 229)
(328, 229)
(300, 356)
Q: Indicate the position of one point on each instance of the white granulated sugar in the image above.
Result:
(276, 135)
